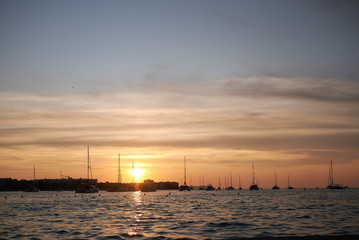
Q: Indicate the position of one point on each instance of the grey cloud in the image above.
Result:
(327, 90)
(344, 141)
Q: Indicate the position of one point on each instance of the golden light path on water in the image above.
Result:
(135, 227)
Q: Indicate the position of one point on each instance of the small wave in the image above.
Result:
(76, 233)
(131, 235)
(111, 237)
(227, 224)
(61, 231)
(57, 221)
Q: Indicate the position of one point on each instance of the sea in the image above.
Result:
(194, 214)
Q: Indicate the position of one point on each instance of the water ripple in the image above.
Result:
(178, 215)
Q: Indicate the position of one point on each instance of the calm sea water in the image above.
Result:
(173, 214)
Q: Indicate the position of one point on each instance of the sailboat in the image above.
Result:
(184, 186)
(210, 188)
(289, 186)
(239, 182)
(87, 187)
(219, 184)
(331, 184)
(231, 186)
(119, 187)
(254, 186)
(275, 186)
(32, 188)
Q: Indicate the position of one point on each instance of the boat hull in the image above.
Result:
(254, 187)
(335, 186)
(87, 189)
(184, 188)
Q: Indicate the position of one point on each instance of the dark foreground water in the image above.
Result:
(172, 214)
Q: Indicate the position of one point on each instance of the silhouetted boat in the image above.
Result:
(210, 188)
(219, 184)
(275, 187)
(148, 189)
(254, 186)
(184, 187)
(31, 189)
(331, 184)
(230, 187)
(112, 190)
(289, 186)
(87, 187)
(239, 182)
(118, 188)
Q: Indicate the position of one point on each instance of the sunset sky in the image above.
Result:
(224, 83)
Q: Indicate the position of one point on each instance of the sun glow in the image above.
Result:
(137, 173)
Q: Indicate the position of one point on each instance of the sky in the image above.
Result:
(224, 83)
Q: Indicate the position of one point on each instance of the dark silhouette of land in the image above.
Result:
(70, 184)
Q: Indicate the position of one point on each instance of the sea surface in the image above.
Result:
(173, 214)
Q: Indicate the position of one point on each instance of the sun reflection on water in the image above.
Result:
(136, 226)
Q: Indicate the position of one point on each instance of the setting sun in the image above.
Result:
(137, 173)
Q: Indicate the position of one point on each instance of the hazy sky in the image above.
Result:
(225, 83)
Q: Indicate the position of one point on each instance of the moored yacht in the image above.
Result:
(275, 187)
(254, 186)
(239, 183)
(289, 186)
(31, 189)
(331, 184)
(87, 187)
(184, 187)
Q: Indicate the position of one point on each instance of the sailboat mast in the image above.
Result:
(230, 174)
(185, 182)
(219, 181)
(119, 180)
(133, 171)
(331, 173)
(275, 177)
(34, 174)
(288, 180)
(88, 163)
(253, 173)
